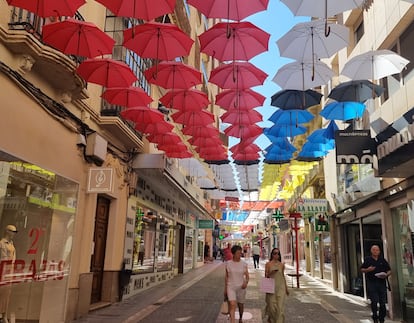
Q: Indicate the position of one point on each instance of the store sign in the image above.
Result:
(100, 180)
(205, 224)
(355, 147)
(312, 207)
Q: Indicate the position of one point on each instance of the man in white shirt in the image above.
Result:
(256, 255)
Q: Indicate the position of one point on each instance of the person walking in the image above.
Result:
(275, 303)
(376, 270)
(256, 255)
(235, 283)
(227, 255)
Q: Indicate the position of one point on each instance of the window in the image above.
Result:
(359, 32)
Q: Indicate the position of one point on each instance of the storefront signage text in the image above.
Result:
(398, 140)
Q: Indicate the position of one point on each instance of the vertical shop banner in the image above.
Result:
(355, 147)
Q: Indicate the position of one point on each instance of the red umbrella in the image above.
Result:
(210, 150)
(200, 131)
(235, 98)
(140, 9)
(164, 139)
(243, 41)
(176, 147)
(242, 131)
(185, 100)
(205, 141)
(155, 128)
(241, 117)
(178, 154)
(157, 40)
(230, 9)
(245, 156)
(245, 148)
(173, 75)
(80, 38)
(127, 96)
(237, 75)
(106, 72)
(193, 118)
(48, 8)
(144, 115)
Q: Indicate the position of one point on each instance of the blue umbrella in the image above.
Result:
(331, 129)
(281, 145)
(284, 130)
(346, 110)
(312, 146)
(291, 117)
(319, 136)
(277, 157)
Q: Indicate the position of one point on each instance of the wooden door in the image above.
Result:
(99, 239)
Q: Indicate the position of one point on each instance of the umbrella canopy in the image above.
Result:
(144, 115)
(167, 138)
(140, 9)
(284, 131)
(230, 9)
(185, 100)
(246, 148)
(295, 99)
(173, 75)
(200, 131)
(346, 110)
(49, 8)
(306, 40)
(277, 156)
(291, 117)
(178, 154)
(303, 75)
(239, 117)
(374, 65)
(127, 96)
(159, 127)
(80, 38)
(172, 147)
(282, 144)
(160, 41)
(235, 98)
(234, 41)
(237, 75)
(320, 136)
(243, 156)
(106, 72)
(243, 131)
(357, 91)
(193, 118)
(205, 141)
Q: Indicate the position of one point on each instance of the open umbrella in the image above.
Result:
(246, 148)
(237, 75)
(291, 117)
(346, 110)
(106, 72)
(167, 138)
(321, 8)
(320, 136)
(243, 41)
(230, 9)
(356, 90)
(178, 154)
(161, 41)
(173, 75)
(49, 8)
(193, 118)
(282, 144)
(295, 99)
(243, 156)
(303, 75)
(205, 141)
(185, 99)
(140, 9)
(235, 98)
(142, 115)
(374, 65)
(159, 127)
(241, 117)
(201, 131)
(280, 130)
(80, 38)
(127, 96)
(243, 131)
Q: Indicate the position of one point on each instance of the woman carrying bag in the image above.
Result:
(275, 303)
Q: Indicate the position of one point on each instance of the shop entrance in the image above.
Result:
(99, 239)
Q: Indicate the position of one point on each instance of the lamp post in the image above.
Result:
(295, 216)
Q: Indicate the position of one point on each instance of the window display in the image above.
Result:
(166, 245)
(37, 213)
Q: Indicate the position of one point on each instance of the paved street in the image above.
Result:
(196, 297)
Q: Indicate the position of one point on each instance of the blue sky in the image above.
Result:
(276, 20)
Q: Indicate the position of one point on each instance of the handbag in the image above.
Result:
(224, 308)
(267, 285)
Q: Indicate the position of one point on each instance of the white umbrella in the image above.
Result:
(298, 75)
(321, 8)
(307, 40)
(374, 65)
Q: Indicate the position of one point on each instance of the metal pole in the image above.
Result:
(296, 252)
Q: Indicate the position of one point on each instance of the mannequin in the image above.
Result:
(7, 252)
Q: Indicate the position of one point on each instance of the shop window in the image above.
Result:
(166, 245)
(41, 205)
(188, 254)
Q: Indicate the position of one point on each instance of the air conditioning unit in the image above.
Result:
(96, 148)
